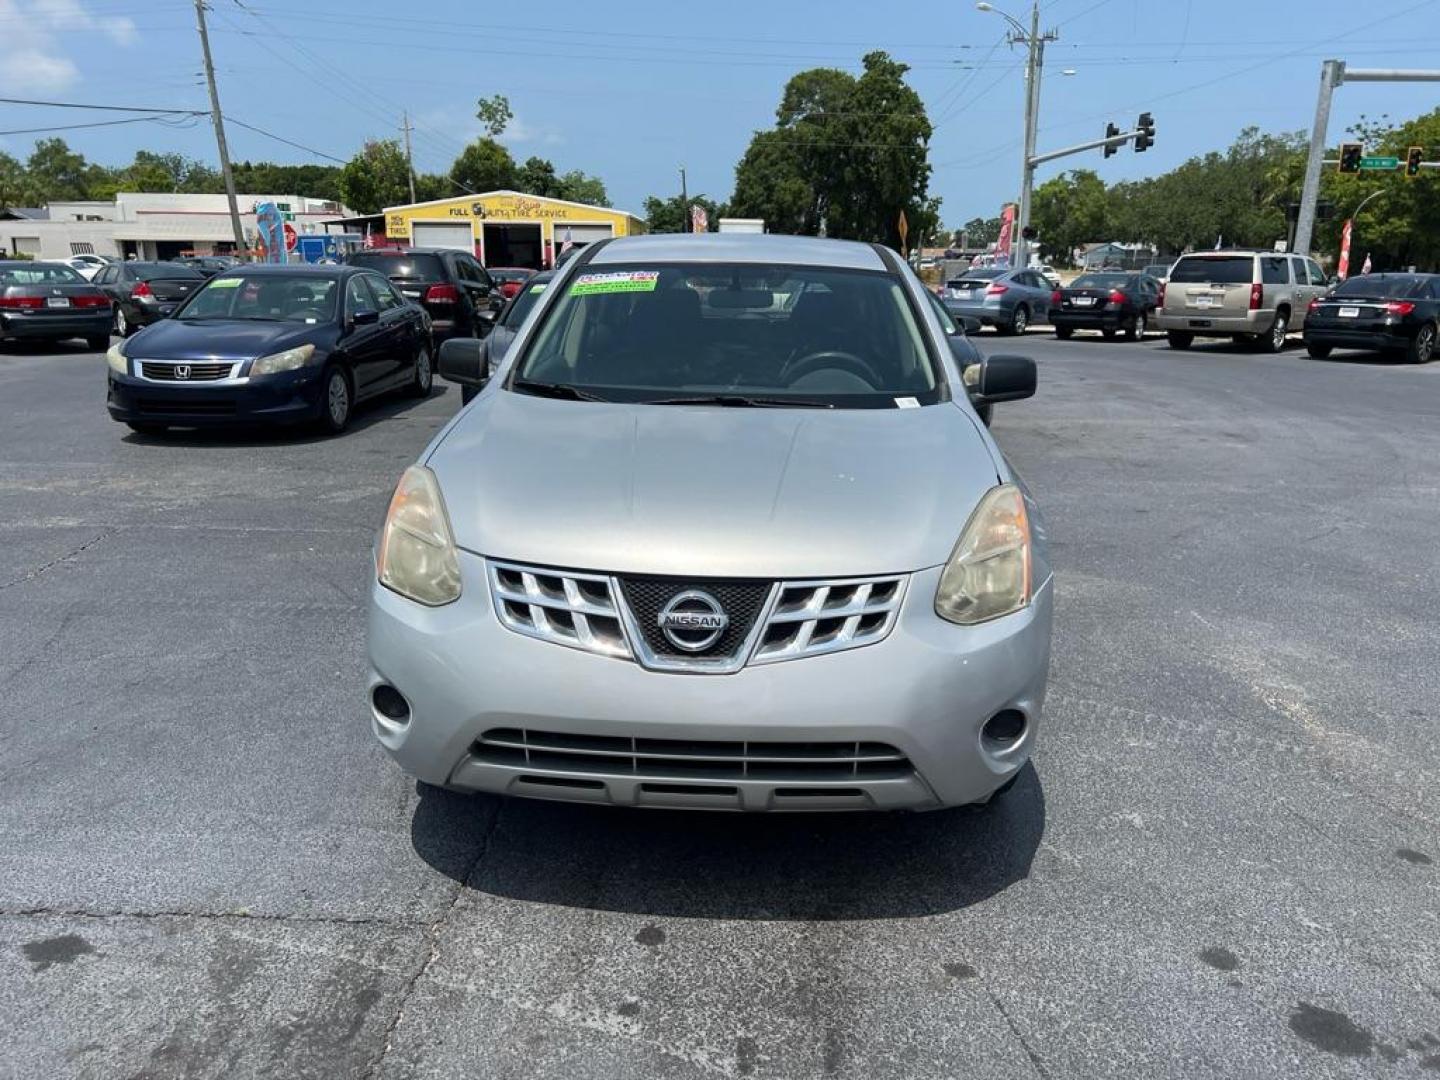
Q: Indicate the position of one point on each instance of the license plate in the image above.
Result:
(1204, 301)
(1349, 312)
(58, 301)
(1084, 301)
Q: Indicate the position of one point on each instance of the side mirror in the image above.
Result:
(365, 318)
(465, 361)
(1001, 378)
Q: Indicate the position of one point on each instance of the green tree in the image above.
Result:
(670, 216)
(1068, 211)
(537, 177)
(56, 172)
(494, 112)
(15, 187)
(375, 178)
(582, 188)
(482, 166)
(979, 232)
(846, 154)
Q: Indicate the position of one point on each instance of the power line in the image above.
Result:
(287, 142)
(96, 124)
(104, 108)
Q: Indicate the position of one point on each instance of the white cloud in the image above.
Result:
(32, 59)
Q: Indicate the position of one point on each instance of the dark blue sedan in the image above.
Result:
(272, 344)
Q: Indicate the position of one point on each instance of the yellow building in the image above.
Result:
(506, 228)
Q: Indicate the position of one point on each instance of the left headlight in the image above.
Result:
(117, 360)
(988, 574)
(417, 556)
(288, 360)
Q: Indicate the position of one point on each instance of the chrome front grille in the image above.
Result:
(689, 759)
(166, 371)
(769, 621)
(562, 606)
(812, 617)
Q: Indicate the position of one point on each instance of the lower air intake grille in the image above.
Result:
(685, 759)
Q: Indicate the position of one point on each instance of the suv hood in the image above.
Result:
(711, 491)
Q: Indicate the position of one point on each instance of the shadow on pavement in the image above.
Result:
(733, 866)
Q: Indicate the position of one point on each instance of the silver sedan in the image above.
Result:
(723, 531)
(1009, 300)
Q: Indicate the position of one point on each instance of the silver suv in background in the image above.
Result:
(1252, 296)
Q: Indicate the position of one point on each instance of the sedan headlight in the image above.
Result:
(288, 360)
(417, 550)
(119, 363)
(988, 574)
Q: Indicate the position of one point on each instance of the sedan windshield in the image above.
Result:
(1383, 285)
(40, 274)
(1099, 281)
(742, 334)
(264, 297)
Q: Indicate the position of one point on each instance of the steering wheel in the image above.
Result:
(834, 359)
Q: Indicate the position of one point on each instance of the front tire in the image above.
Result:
(1136, 330)
(123, 326)
(1318, 352)
(1422, 345)
(424, 377)
(337, 401)
(97, 343)
(1179, 339)
(1020, 321)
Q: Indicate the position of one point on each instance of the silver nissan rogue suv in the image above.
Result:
(723, 530)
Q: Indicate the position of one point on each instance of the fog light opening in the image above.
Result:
(390, 703)
(1005, 729)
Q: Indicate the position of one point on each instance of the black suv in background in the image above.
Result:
(452, 286)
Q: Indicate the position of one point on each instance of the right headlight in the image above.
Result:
(288, 360)
(988, 574)
(417, 556)
(117, 360)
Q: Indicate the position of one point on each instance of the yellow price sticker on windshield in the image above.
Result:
(619, 282)
(225, 283)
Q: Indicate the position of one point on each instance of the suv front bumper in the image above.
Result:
(926, 690)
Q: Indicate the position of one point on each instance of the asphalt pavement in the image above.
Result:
(1223, 862)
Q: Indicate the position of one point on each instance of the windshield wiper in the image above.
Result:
(744, 401)
(555, 390)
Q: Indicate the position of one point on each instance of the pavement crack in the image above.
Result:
(1035, 1062)
(432, 935)
(71, 554)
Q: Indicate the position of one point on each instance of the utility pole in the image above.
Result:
(684, 203)
(409, 158)
(1034, 64)
(1334, 73)
(219, 119)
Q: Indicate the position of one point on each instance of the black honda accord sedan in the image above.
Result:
(1394, 313)
(272, 344)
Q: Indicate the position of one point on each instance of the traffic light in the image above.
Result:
(1350, 155)
(1029, 232)
(1146, 138)
(1413, 159)
(1110, 132)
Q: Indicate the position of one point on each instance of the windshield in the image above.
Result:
(402, 266)
(740, 332)
(1099, 281)
(264, 297)
(40, 274)
(160, 271)
(1220, 270)
(1382, 285)
(522, 305)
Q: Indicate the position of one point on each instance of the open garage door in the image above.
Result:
(442, 234)
(513, 245)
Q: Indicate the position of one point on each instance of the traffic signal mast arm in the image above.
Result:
(1111, 140)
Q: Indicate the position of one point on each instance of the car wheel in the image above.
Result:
(122, 324)
(142, 427)
(1020, 321)
(98, 342)
(337, 401)
(424, 374)
(1319, 352)
(1273, 340)
(1422, 345)
(1064, 332)
(1136, 330)
(1178, 339)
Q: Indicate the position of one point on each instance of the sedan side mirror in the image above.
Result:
(465, 361)
(365, 318)
(1001, 378)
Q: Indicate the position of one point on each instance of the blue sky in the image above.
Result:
(632, 89)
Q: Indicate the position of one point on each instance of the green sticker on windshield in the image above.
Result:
(225, 282)
(620, 282)
(538, 288)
